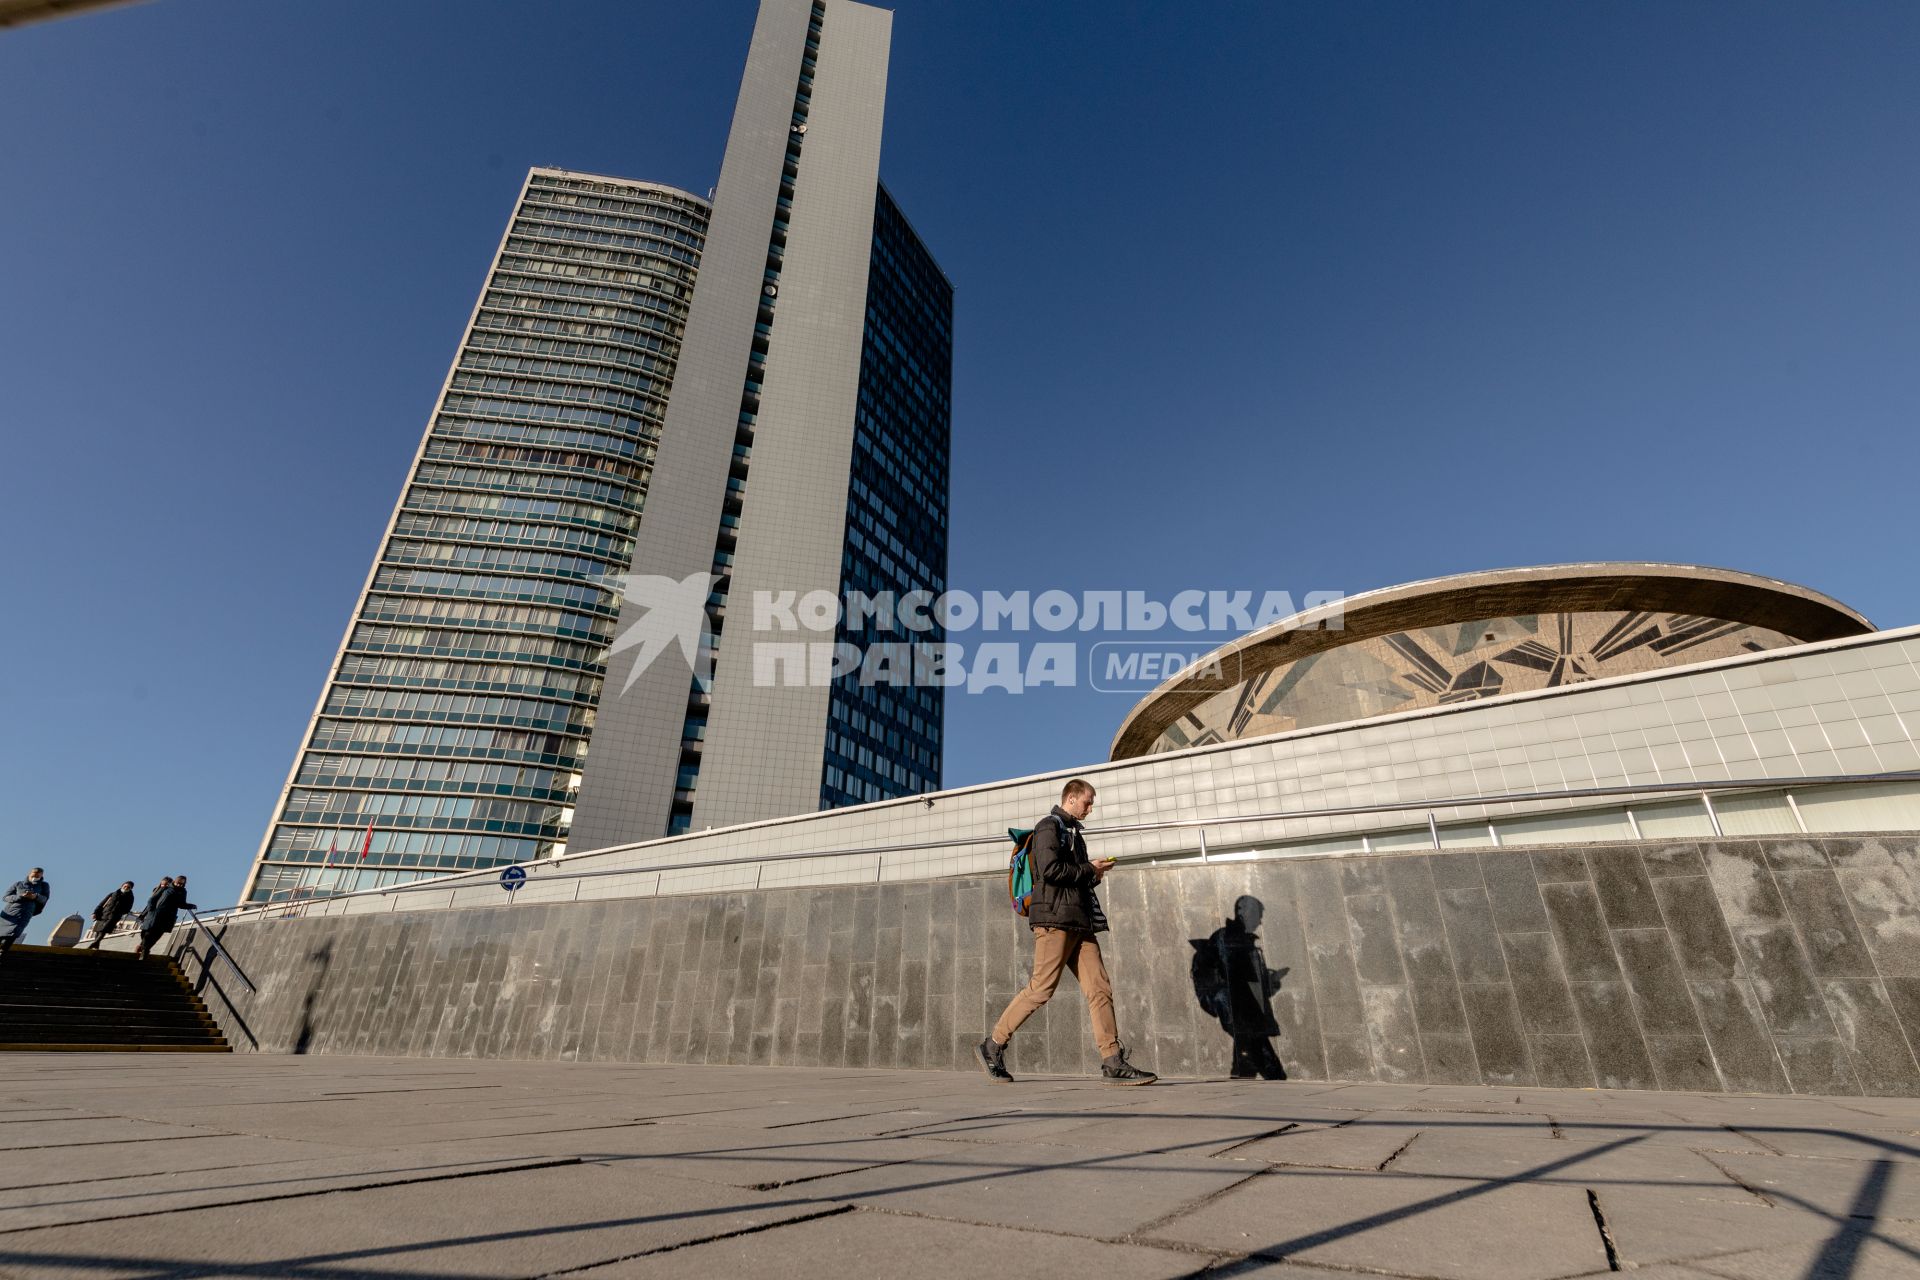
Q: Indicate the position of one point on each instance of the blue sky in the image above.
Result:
(1249, 296)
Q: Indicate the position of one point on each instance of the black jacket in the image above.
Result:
(113, 906)
(163, 908)
(1063, 877)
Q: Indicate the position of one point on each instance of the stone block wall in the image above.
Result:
(1764, 965)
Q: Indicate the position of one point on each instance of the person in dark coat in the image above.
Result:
(111, 909)
(25, 900)
(163, 908)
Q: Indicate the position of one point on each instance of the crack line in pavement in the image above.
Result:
(688, 1244)
(1742, 1133)
(1193, 1206)
(318, 1191)
(1606, 1234)
(1272, 1133)
(114, 1142)
(1382, 1166)
(1738, 1181)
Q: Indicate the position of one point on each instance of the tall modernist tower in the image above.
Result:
(758, 391)
(805, 449)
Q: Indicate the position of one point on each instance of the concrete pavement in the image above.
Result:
(123, 1166)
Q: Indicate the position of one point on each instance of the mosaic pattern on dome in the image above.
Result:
(1460, 662)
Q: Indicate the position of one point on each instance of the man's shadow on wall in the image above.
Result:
(1233, 984)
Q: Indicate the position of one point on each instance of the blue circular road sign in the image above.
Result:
(512, 878)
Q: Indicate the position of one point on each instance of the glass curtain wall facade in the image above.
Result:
(454, 725)
(884, 739)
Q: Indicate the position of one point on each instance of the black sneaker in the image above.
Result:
(1117, 1070)
(993, 1057)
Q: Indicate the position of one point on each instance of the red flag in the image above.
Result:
(331, 846)
(367, 846)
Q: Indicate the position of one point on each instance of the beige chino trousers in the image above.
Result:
(1053, 951)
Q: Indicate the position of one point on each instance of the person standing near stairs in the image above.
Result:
(163, 908)
(108, 913)
(25, 900)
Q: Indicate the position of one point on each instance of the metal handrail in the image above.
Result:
(221, 951)
(471, 879)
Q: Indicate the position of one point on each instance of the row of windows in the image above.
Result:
(588, 191)
(433, 582)
(669, 216)
(511, 327)
(491, 617)
(543, 244)
(607, 352)
(496, 559)
(542, 251)
(540, 461)
(342, 806)
(536, 286)
(499, 307)
(483, 504)
(521, 411)
(493, 677)
(603, 439)
(562, 392)
(347, 841)
(540, 232)
(459, 708)
(387, 773)
(489, 743)
(443, 643)
(513, 533)
(682, 211)
(656, 236)
(597, 374)
(581, 263)
(531, 482)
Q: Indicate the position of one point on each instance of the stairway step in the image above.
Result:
(114, 1048)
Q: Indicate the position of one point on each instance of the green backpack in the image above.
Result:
(1020, 869)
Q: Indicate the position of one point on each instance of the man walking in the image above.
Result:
(163, 908)
(1066, 920)
(25, 900)
(108, 913)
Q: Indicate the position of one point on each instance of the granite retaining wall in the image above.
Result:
(1769, 965)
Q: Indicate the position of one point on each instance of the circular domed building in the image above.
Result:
(1474, 636)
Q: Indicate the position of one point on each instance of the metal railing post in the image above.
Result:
(1433, 829)
(1203, 844)
(1799, 819)
(1713, 819)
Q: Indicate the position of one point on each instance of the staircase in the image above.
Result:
(56, 998)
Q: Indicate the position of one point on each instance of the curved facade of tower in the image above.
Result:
(451, 732)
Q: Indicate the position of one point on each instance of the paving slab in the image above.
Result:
(1496, 1157)
(1038, 1187)
(868, 1243)
(1881, 1187)
(1662, 1224)
(106, 1200)
(1854, 1251)
(1361, 1144)
(731, 1157)
(60, 1166)
(711, 1166)
(1401, 1225)
(516, 1224)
